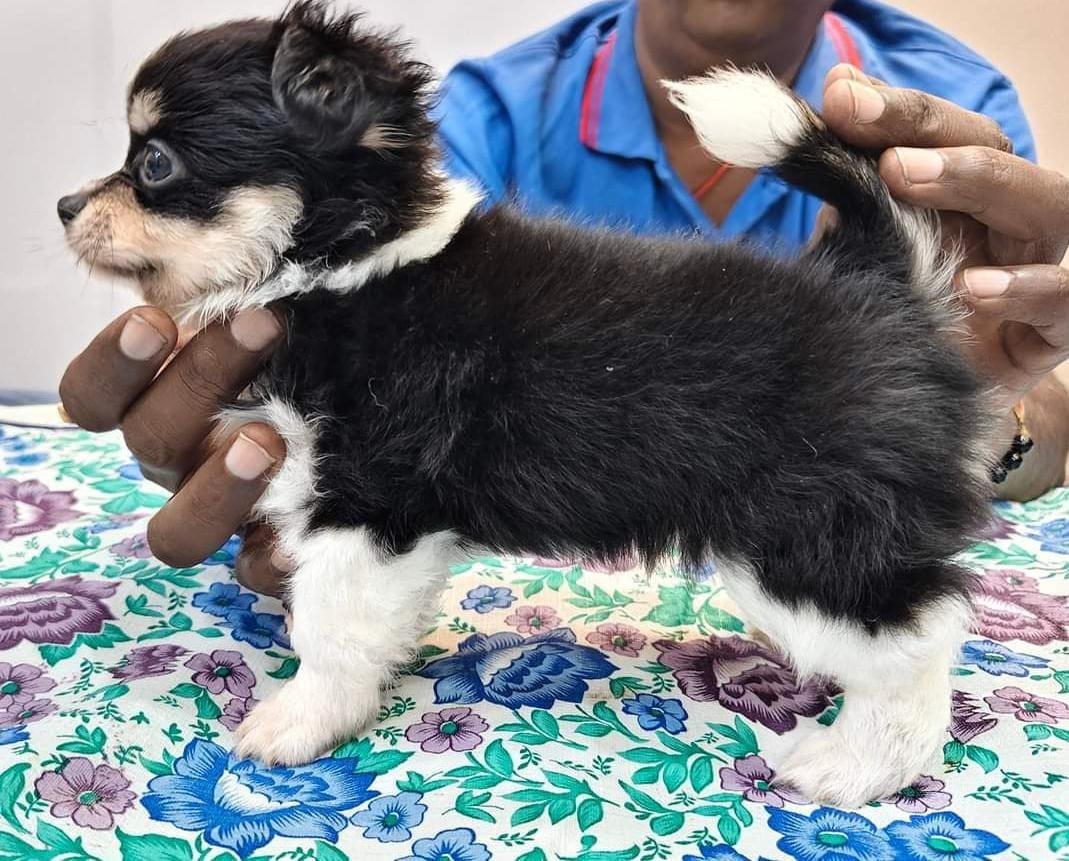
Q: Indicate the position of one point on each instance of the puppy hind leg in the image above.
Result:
(896, 692)
(357, 616)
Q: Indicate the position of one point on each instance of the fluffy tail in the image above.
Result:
(749, 119)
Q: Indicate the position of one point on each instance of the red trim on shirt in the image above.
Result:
(590, 114)
(844, 43)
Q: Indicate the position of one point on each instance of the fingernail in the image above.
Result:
(920, 165)
(255, 328)
(246, 459)
(868, 103)
(140, 341)
(987, 283)
(281, 561)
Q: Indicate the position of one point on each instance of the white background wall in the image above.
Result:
(64, 65)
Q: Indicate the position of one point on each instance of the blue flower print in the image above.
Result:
(221, 599)
(242, 805)
(939, 836)
(259, 630)
(656, 713)
(483, 599)
(117, 521)
(1054, 535)
(457, 844)
(390, 819)
(719, 852)
(18, 451)
(29, 458)
(829, 835)
(514, 671)
(227, 554)
(996, 660)
(131, 471)
(13, 735)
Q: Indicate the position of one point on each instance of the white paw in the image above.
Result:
(841, 767)
(304, 720)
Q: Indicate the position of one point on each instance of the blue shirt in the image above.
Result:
(560, 120)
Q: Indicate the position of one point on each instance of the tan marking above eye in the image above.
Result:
(145, 111)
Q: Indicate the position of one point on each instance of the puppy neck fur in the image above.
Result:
(293, 279)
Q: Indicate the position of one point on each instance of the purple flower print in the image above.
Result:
(1009, 606)
(449, 729)
(746, 678)
(753, 778)
(235, 711)
(1027, 707)
(617, 638)
(134, 547)
(222, 670)
(996, 528)
(92, 797)
(484, 599)
(18, 714)
(967, 719)
(531, 620)
(20, 683)
(27, 507)
(146, 661)
(924, 794)
(53, 612)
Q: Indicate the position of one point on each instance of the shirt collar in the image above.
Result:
(615, 117)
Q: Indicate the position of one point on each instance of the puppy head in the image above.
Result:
(254, 142)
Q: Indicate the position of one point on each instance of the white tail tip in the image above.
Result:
(746, 119)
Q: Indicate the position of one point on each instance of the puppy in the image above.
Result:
(458, 377)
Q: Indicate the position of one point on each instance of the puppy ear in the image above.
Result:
(318, 88)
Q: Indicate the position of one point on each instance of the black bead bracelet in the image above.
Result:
(1021, 445)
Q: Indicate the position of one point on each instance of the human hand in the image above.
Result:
(166, 417)
(1010, 216)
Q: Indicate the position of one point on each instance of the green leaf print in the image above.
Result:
(85, 741)
(152, 847)
(108, 637)
(674, 609)
(470, 804)
(986, 759)
(326, 852)
(132, 501)
(44, 564)
(1062, 678)
(1052, 818)
(12, 782)
(370, 760)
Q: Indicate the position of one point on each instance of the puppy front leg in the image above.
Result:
(357, 615)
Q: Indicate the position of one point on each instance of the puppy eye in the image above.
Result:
(157, 166)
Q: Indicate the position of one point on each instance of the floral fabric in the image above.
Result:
(556, 712)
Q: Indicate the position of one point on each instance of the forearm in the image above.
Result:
(1044, 467)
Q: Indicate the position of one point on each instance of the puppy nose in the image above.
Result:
(69, 207)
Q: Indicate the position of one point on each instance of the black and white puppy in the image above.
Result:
(456, 378)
